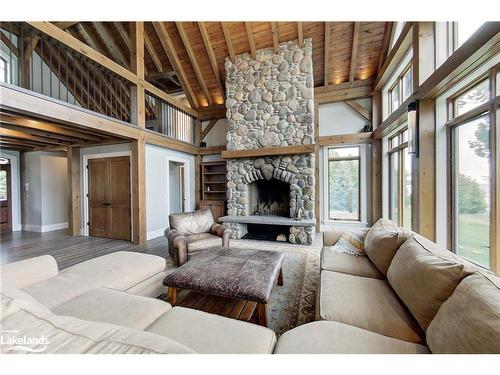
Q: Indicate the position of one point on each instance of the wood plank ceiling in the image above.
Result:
(189, 56)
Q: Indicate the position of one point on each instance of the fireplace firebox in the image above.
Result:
(269, 197)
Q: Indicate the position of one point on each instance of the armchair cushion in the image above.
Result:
(196, 222)
(202, 241)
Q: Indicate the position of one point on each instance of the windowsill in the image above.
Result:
(345, 223)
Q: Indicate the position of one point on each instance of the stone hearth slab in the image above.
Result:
(268, 220)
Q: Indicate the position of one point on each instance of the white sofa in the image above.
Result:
(407, 296)
(104, 305)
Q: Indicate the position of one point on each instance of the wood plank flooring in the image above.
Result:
(228, 307)
(68, 250)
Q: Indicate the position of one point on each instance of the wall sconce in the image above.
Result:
(413, 128)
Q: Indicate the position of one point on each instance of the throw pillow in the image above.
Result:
(382, 241)
(352, 243)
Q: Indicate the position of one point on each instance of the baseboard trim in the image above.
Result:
(155, 234)
(45, 228)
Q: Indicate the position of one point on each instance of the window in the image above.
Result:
(344, 183)
(401, 90)
(471, 183)
(471, 98)
(400, 180)
(471, 190)
(4, 70)
(450, 36)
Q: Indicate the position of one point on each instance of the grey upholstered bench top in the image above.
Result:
(226, 272)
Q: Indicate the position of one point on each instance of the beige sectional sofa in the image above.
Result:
(407, 295)
(104, 305)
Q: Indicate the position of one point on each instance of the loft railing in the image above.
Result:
(162, 117)
(37, 62)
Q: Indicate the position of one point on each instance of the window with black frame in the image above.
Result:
(344, 183)
(469, 130)
(400, 180)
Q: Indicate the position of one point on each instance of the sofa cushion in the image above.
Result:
(324, 337)
(209, 333)
(64, 334)
(192, 222)
(468, 321)
(202, 241)
(366, 303)
(382, 241)
(29, 271)
(423, 280)
(331, 237)
(121, 270)
(114, 307)
(345, 263)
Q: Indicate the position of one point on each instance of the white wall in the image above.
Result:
(217, 135)
(338, 118)
(15, 187)
(45, 190)
(157, 187)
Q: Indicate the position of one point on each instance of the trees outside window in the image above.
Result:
(400, 180)
(344, 183)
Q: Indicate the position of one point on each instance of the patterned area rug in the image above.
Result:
(293, 303)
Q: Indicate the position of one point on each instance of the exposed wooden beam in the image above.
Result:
(251, 41)
(288, 150)
(138, 109)
(46, 126)
(22, 135)
(229, 43)
(117, 53)
(300, 33)
(138, 177)
(74, 193)
(152, 52)
(385, 44)
(17, 142)
(354, 51)
(211, 55)
(326, 80)
(168, 46)
(9, 44)
(207, 129)
(347, 139)
(162, 75)
(343, 91)
(43, 133)
(212, 150)
(65, 25)
(276, 38)
(359, 109)
(194, 61)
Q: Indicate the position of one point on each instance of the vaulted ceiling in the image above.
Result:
(190, 56)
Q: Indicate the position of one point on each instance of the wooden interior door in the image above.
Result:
(109, 198)
(6, 201)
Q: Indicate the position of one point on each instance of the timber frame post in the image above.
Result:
(74, 193)
(138, 159)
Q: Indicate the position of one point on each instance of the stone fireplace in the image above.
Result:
(270, 104)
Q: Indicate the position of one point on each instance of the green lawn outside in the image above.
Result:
(473, 238)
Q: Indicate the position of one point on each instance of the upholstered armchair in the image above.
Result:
(191, 232)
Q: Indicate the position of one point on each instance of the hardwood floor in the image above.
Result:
(69, 250)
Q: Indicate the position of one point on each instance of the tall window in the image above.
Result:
(470, 173)
(401, 90)
(344, 183)
(4, 70)
(400, 180)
